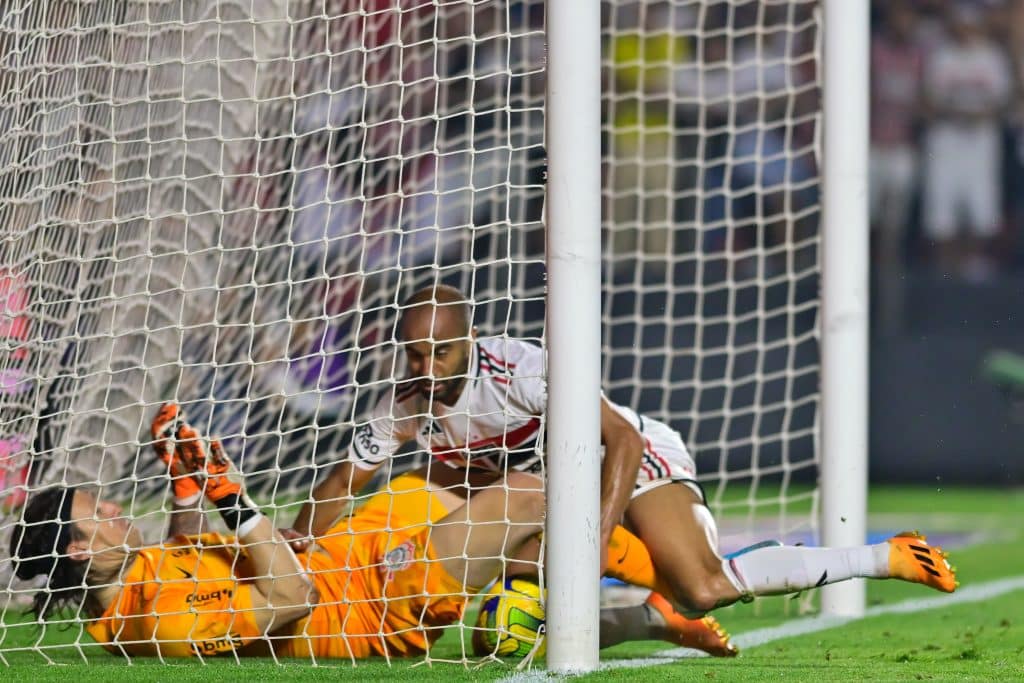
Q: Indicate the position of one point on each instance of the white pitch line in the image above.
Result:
(800, 627)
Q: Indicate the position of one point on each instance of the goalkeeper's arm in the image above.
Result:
(282, 592)
(331, 498)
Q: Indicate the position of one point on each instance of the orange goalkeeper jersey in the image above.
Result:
(186, 597)
(382, 592)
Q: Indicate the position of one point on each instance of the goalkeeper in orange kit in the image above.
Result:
(376, 584)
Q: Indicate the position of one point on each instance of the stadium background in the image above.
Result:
(933, 415)
(936, 419)
(363, 192)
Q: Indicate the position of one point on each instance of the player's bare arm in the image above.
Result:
(186, 521)
(623, 451)
(331, 499)
(282, 593)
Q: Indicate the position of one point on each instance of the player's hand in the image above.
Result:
(213, 469)
(164, 432)
(298, 541)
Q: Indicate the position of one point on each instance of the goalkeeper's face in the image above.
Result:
(101, 528)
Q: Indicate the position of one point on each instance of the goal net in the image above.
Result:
(225, 204)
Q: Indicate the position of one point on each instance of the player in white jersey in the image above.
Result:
(496, 423)
(478, 406)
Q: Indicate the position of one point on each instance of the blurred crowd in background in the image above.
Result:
(947, 211)
(947, 136)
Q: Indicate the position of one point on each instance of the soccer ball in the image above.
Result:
(510, 617)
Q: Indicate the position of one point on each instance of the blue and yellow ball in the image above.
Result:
(510, 618)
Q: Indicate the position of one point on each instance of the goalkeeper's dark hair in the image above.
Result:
(39, 546)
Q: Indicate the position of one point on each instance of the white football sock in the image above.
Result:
(789, 569)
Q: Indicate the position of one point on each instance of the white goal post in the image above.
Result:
(226, 203)
(845, 290)
(573, 333)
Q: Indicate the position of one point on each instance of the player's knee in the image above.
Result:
(304, 597)
(698, 594)
(312, 599)
(290, 608)
(695, 599)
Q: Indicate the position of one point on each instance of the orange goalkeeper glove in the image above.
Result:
(214, 470)
(164, 431)
(210, 474)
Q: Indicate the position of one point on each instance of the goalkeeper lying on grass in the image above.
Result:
(374, 584)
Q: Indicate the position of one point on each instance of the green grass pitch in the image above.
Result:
(981, 640)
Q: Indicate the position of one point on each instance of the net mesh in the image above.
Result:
(225, 203)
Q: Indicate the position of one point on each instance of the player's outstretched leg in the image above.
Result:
(473, 541)
(785, 569)
(680, 534)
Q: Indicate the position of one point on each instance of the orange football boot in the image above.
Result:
(704, 634)
(912, 559)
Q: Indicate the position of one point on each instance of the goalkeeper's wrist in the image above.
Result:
(238, 512)
(187, 501)
(249, 526)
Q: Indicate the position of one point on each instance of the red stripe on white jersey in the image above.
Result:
(498, 361)
(512, 439)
